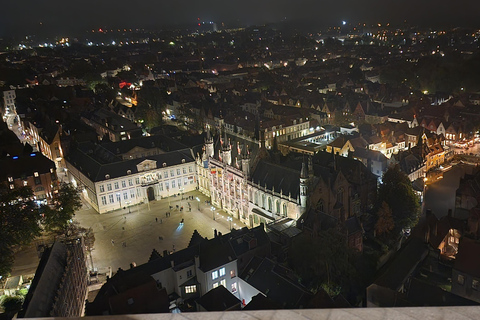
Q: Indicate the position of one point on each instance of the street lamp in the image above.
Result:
(213, 212)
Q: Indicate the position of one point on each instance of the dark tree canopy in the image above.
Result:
(65, 203)
(397, 192)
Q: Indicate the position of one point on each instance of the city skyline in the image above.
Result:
(58, 17)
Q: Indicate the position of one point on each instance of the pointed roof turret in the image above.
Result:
(304, 173)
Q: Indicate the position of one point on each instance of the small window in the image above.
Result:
(12, 186)
(164, 164)
(183, 160)
(223, 283)
(129, 171)
(25, 183)
(232, 274)
(107, 176)
(10, 179)
(475, 284)
(214, 275)
(124, 184)
(102, 188)
(116, 185)
(461, 279)
(35, 174)
(222, 272)
(215, 285)
(109, 187)
(189, 274)
(234, 287)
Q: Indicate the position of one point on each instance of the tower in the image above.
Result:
(209, 145)
(226, 151)
(303, 188)
(246, 161)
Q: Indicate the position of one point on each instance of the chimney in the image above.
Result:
(172, 263)
(215, 233)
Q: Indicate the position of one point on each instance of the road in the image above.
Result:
(139, 230)
(440, 195)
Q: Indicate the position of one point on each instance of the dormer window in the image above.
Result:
(129, 171)
(164, 164)
(183, 160)
(107, 176)
(25, 183)
(10, 179)
(35, 174)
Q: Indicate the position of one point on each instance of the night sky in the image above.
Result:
(25, 16)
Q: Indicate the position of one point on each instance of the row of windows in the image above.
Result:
(117, 198)
(221, 273)
(269, 204)
(475, 283)
(223, 283)
(116, 185)
(174, 184)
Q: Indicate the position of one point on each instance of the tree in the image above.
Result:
(65, 202)
(385, 222)
(151, 105)
(12, 305)
(20, 222)
(397, 192)
(324, 262)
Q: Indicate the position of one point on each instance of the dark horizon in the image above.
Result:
(58, 17)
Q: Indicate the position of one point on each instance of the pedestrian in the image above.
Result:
(124, 244)
(156, 219)
(166, 214)
(161, 221)
(113, 242)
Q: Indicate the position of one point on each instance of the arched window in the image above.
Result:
(269, 204)
(263, 201)
(256, 198)
(277, 205)
(285, 213)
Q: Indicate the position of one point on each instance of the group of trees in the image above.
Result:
(325, 261)
(22, 220)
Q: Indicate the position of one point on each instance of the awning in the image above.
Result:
(261, 213)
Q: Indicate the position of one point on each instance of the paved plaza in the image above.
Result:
(135, 232)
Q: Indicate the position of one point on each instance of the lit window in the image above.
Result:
(232, 274)
(222, 272)
(475, 284)
(11, 186)
(223, 283)
(214, 275)
(461, 279)
(191, 289)
(215, 285)
(35, 174)
(10, 179)
(234, 287)
(25, 183)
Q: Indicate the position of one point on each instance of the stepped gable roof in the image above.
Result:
(354, 171)
(219, 299)
(96, 165)
(195, 239)
(468, 257)
(214, 253)
(277, 178)
(23, 166)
